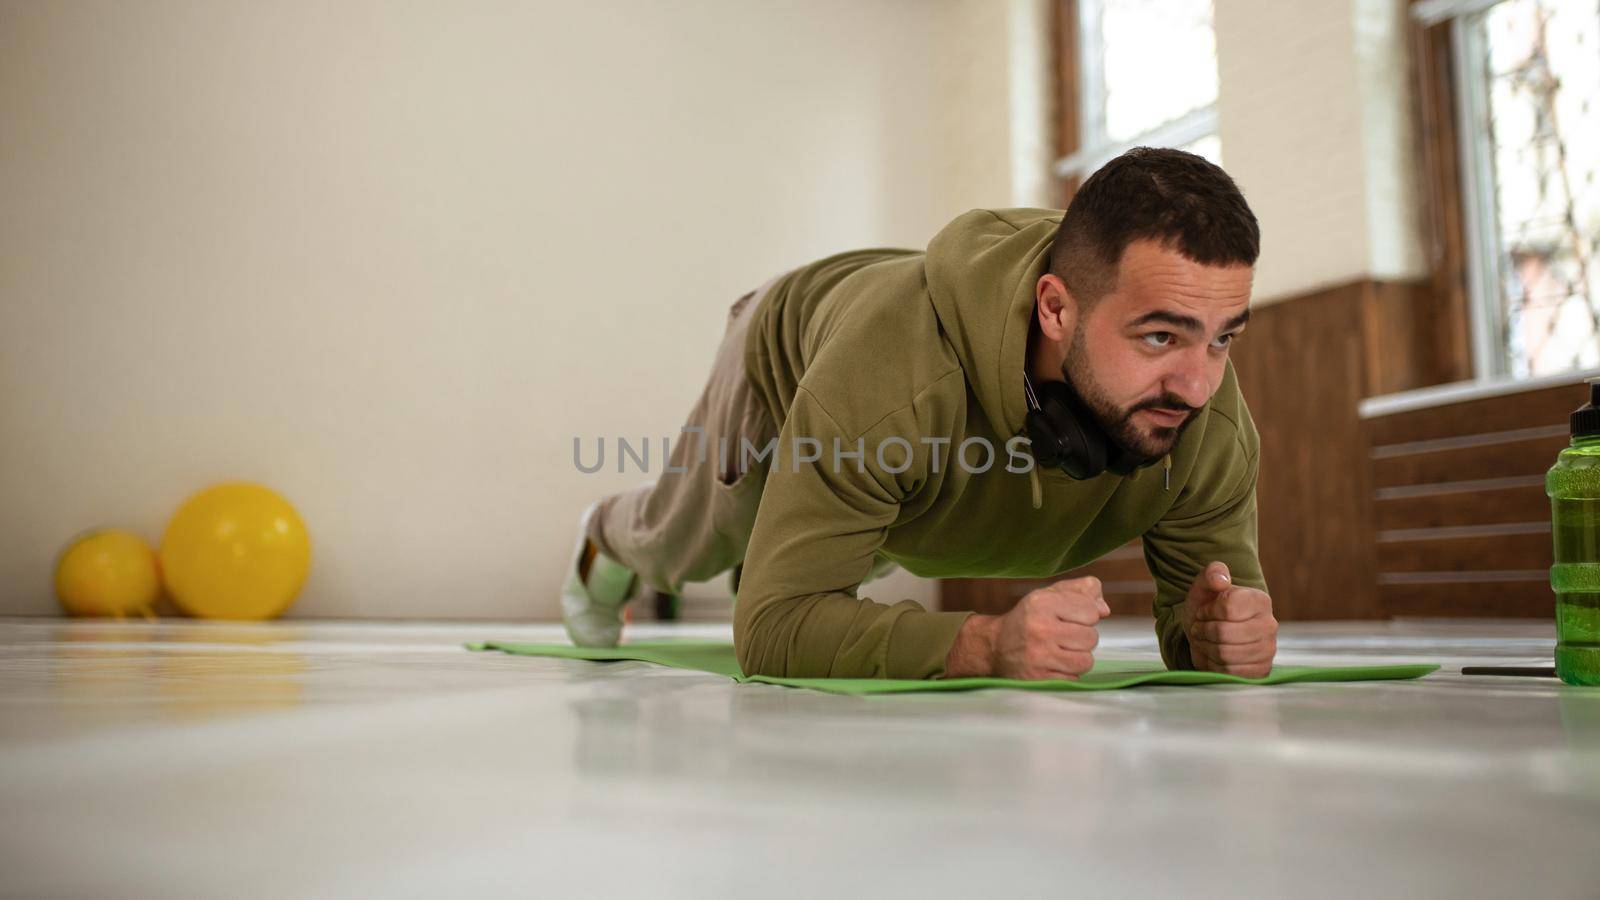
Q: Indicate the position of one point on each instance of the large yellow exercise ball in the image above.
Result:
(235, 551)
(108, 573)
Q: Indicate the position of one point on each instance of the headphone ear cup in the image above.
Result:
(1043, 441)
(1085, 456)
(1083, 451)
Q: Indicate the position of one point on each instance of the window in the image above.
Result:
(1527, 98)
(1124, 101)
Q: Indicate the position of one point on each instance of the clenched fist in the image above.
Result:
(1230, 628)
(1050, 633)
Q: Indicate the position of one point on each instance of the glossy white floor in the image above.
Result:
(189, 759)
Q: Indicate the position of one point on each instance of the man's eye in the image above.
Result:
(1158, 338)
(1222, 341)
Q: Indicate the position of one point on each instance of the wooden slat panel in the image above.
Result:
(1301, 367)
(966, 594)
(1548, 406)
(1508, 441)
(1112, 570)
(1396, 316)
(1473, 554)
(1518, 599)
(1531, 457)
(1521, 504)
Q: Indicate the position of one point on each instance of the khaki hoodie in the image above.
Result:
(900, 356)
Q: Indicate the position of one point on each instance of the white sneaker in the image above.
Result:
(592, 609)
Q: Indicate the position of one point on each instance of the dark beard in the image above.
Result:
(1118, 423)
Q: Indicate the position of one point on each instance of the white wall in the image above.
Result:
(390, 259)
(996, 106)
(1314, 110)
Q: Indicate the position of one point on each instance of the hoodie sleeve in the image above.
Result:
(816, 533)
(1215, 520)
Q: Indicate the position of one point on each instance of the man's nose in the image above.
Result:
(1191, 382)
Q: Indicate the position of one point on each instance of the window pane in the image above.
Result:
(1160, 61)
(1543, 88)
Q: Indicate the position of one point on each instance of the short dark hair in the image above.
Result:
(1182, 200)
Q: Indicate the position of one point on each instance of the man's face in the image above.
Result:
(1151, 352)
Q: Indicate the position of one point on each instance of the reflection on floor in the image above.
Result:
(341, 758)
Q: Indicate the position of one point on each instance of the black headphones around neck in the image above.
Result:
(1062, 431)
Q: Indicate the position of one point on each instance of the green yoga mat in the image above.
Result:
(1110, 674)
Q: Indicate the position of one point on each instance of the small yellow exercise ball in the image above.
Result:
(235, 551)
(108, 573)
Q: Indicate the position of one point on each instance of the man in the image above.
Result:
(883, 374)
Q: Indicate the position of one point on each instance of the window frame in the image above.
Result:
(1084, 101)
(1444, 29)
(1486, 330)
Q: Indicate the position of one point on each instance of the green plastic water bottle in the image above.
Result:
(1573, 484)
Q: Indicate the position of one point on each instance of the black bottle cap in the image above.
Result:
(1586, 418)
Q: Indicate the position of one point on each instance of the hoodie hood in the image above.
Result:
(981, 271)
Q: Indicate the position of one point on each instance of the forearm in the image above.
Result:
(836, 635)
(972, 653)
(817, 534)
(1217, 524)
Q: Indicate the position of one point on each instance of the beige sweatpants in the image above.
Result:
(695, 524)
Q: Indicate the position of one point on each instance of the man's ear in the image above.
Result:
(1054, 308)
